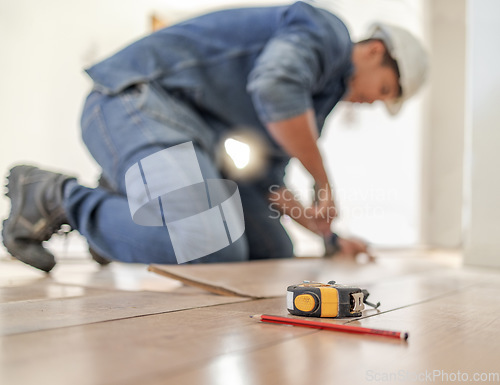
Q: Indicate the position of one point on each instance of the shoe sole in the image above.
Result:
(14, 189)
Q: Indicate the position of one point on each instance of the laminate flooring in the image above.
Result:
(87, 325)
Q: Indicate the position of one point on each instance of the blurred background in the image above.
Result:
(424, 179)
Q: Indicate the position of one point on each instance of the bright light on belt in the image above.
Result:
(238, 151)
(243, 155)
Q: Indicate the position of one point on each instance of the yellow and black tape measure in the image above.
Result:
(315, 299)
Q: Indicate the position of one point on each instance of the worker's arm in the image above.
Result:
(298, 136)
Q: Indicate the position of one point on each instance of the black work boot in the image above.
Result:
(36, 213)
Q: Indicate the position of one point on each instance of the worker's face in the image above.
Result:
(371, 80)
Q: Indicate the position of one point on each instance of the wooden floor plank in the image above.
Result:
(44, 288)
(133, 349)
(450, 337)
(30, 316)
(121, 276)
(221, 344)
(412, 289)
(15, 273)
(268, 278)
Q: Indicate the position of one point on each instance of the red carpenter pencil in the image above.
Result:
(328, 326)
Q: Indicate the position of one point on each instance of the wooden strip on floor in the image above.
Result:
(221, 344)
(30, 316)
(269, 278)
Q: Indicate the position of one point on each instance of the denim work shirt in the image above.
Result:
(242, 67)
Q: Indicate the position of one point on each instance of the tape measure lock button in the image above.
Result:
(306, 302)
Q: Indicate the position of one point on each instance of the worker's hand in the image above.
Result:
(316, 218)
(351, 247)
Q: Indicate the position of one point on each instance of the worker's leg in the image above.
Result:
(266, 236)
(105, 220)
(121, 132)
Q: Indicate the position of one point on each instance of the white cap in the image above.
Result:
(411, 58)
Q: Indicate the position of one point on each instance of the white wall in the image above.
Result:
(374, 160)
(482, 182)
(444, 128)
